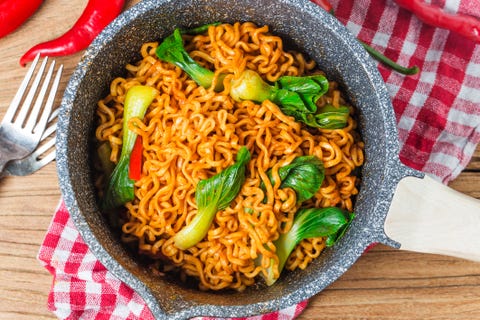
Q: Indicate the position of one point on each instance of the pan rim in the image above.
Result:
(67, 178)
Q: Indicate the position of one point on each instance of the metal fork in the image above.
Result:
(22, 128)
(42, 156)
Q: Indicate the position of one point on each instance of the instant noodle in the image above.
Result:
(190, 133)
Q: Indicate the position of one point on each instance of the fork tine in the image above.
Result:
(47, 110)
(46, 159)
(31, 94)
(53, 92)
(43, 148)
(51, 129)
(35, 111)
(12, 109)
(50, 143)
(54, 114)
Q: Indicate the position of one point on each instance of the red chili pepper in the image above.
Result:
(96, 16)
(135, 164)
(465, 25)
(324, 4)
(13, 13)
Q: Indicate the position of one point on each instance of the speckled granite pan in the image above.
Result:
(311, 30)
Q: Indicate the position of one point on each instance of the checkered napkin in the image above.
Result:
(438, 116)
(438, 110)
(84, 289)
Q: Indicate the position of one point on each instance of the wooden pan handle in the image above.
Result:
(427, 216)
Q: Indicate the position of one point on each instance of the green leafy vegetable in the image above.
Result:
(120, 187)
(328, 117)
(172, 50)
(295, 96)
(309, 88)
(330, 222)
(304, 175)
(213, 194)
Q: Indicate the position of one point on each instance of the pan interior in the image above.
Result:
(305, 26)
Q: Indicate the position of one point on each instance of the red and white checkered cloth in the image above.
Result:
(84, 289)
(438, 110)
(438, 116)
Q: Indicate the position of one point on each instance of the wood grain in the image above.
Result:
(384, 284)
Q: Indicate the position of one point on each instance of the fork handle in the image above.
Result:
(5, 150)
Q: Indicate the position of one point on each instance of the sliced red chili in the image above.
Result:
(95, 17)
(136, 160)
(13, 13)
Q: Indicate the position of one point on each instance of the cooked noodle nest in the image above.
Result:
(190, 133)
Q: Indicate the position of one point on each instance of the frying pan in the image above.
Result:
(396, 205)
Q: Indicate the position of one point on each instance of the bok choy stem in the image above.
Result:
(120, 187)
(213, 194)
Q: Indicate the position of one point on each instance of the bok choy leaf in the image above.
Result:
(213, 194)
(172, 50)
(304, 175)
(328, 117)
(295, 96)
(330, 222)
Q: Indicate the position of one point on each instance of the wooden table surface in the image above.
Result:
(384, 284)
